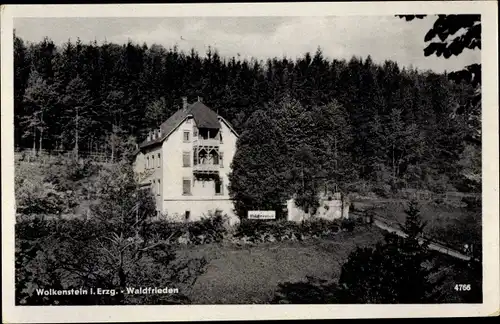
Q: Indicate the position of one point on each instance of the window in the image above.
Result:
(186, 186)
(186, 136)
(158, 189)
(186, 159)
(152, 161)
(187, 214)
(147, 162)
(218, 187)
(215, 158)
(153, 187)
(221, 159)
(158, 161)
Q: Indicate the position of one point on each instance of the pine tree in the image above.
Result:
(79, 115)
(395, 271)
(39, 99)
(22, 66)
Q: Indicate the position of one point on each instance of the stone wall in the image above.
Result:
(329, 208)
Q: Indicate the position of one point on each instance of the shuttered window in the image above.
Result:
(186, 159)
(219, 188)
(186, 186)
(221, 159)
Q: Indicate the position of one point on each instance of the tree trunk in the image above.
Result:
(76, 134)
(34, 140)
(41, 132)
(393, 163)
(123, 279)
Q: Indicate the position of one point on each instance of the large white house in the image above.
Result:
(186, 163)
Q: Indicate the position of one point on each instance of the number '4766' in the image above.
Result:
(462, 287)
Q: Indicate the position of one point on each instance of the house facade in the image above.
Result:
(186, 163)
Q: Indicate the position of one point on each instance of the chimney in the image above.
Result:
(184, 103)
(200, 99)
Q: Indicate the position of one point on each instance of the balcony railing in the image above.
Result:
(206, 168)
(198, 141)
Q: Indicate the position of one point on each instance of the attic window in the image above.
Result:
(186, 136)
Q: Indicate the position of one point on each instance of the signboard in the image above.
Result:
(261, 214)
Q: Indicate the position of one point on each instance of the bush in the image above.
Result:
(472, 203)
(348, 224)
(262, 231)
(383, 190)
(114, 249)
(207, 230)
(310, 291)
(210, 229)
(36, 196)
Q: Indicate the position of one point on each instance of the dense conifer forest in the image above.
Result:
(353, 120)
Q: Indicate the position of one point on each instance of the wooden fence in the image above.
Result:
(47, 156)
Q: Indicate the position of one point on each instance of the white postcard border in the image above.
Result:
(40, 314)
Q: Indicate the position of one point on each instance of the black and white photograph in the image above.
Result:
(195, 157)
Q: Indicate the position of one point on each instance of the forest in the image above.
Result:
(359, 120)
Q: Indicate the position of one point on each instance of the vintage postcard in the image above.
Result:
(249, 161)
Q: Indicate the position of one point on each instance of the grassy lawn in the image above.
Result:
(242, 275)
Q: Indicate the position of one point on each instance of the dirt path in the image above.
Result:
(433, 246)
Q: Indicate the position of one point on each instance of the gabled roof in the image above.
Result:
(202, 115)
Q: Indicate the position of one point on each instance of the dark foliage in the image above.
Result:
(445, 40)
(311, 291)
(355, 118)
(266, 231)
(207, 230)
(348, 224)
(112, 249)
(395, 271)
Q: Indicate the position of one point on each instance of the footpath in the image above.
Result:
(382, 224)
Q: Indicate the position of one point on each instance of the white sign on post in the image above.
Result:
(261, 214)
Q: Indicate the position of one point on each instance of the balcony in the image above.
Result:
(207, 142)
(206, 168)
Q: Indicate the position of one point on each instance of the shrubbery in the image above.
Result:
(55, 189)
(211, 229)
(214, 230)
(257, 231)
(472, 203)
(348, 224)
(396, 270)
(112, 250)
